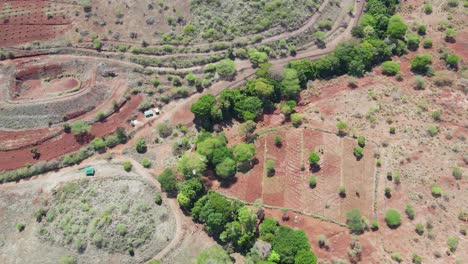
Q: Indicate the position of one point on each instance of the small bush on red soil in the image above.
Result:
(388, 192)
(361, 141)
(312, 181)
(127, 166)
(436, 191)
(450, 34)
(314, 158)
(452, 243)
(270, 168)
(390, 68)
(427, 43)
(98, 144)
(409, 210)
(457, 173)
(354, 221)
(146, 163)
(419, 229)
(422, 30)
(420, 63)
(393, 218)
(296, 119)
(452, 61)
(342, 127)
(358, 152)
(417, 259)
(80, 127)
(375, 225)
(278, 141)
(427, 9)
(342, 192)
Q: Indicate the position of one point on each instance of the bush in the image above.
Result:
(422, 30)
(417, 259)
(361, 141)
(427, 9)
(146, 163)
(354, 221)
(314, 158)
(450, 34)
(278, 141)
(296, 119)
(452, 3)
(98, 144)
(397, 257)
(312, 181)
(270, 167)
(342, 191)
(390, 68)
(413, 41)
(436, 191)
(121, 229)
(393, 218)
(375, 225)
(457, 173)
(420, 63)
(358, 152)
(452, 61)
(409, 210)
(433, 131)
(419, 229)
(164, 130)
(80, 127)
(67, 260)
(226, 69)
(158, 199)
(388, 192)
(168, 181)
(100, 116)
(20, 227)
(342, 127)
(436, 115)
(127, 166)
(420, 82)
(452, 243)
(427, 43)
(140, 146)
(97, 44)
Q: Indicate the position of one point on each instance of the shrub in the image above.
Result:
(358, 152)
(278, 141)
(226, 69)
(140, 146)
(145, 105)
(427, 9)
(66, 128)
(67, 260)
(433, 131)
(393, 218)
(98, 144)
(452, 243)
(388, 192)
(146, 163)
(342, 191)
(322, 241)
(314, 158)
(450, 34)
(80, 127)
(312, 181)
(452, 3)
(413, 41)
(422, 30)
(457, 172)
(158, 199)
(419, 229)
(427, 43)
(361, 141)
(397, 257)
(342, 126)
(270, 167)
(409, 210)
(121, 229)
(20, 227)
(168, 181)
(420, 63)
(375, 225)
(127, 165)
(97, 44)
(436, 115)
(436, 191)
(393, 130)
(420, 83)
(164, 130)
(417, 259)
(452, 61)
(354, 221)
(296, 119)
(100, 116)
(390, 68)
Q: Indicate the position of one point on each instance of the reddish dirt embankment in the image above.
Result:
(67, 143)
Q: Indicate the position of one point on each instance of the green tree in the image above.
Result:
(396, 27)
(244, 152)
(268, 229)
(191, 165)
(248, 108)
(355, 222)
(140, 146)
(226, 169)
(80, 127)
(390, 68)
(288, 242)
(202, 109)
(358, 152)
(257, 57)
(412, 40)
(305, 257)
(214, 254)
(190, 191)
(452, 61)
(168, 181)
(296, 119)
(290, 87)
(393, 218)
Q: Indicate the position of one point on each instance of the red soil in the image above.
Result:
(34, 89)
(25, 21)
(67, 143)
